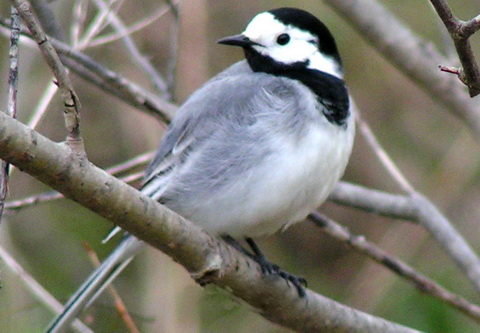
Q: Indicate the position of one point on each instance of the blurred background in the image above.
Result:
(434, 149)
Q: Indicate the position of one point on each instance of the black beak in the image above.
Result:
(237, 40)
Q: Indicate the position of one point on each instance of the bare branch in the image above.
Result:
(417, 208)
(382, 155)
(70, 98)
(420, 281)
(79, 16)
(206, 258)
(12, 98)
(41, 108)
(134, 162)
(396, 206)
(54, 195)
(460, 31)
(37, 290)
(33, 200)
(101, 40)
(47, 19)
(139, 58)
(14, 58)
(448, 237)
(415, 57)
(115, 84)
(174, 35)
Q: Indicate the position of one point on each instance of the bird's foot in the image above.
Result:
(269, 268)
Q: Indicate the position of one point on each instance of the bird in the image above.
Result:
(254, 150)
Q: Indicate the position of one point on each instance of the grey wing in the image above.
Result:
(188, 117)
(236, 108)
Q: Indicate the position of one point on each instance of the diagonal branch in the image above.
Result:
(114, 83)
(423, 283)
(206, 258)
(37, 290)
(70, 98)
(137, 56)
(381, 154)
(417, 208)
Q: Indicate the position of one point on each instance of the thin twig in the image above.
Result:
(448, 237)
(137, 57)
(115, 84)
(423, 283)
(43, 102)
(14, 58)
(80, 8)
(16, 205)
(135, 162)
(101, 40)
(37, 290)
(95, 27)
(32, 200)
(382, 155)
(12, 98)
(174, 35)
(70, 98)
(119, 305)
(460, 32)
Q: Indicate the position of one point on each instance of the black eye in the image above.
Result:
(283, 39)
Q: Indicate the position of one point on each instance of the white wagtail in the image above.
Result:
(255, 149)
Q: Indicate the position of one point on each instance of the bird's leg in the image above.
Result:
(269, 268)
(233, 242)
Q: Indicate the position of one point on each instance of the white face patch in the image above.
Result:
(264, 29)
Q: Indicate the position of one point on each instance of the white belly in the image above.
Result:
(284, 188)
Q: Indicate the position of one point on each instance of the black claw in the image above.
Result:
(267, 267)
(272, 269)
(297, 281)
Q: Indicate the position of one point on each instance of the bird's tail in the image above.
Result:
(96, 283)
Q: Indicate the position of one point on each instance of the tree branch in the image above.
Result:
(37, 290)
(206, 258)
(396, 206)
(420, 281)
(382, 156)
(143, 63)
(417, 208)
(114, 83)
(115, 170)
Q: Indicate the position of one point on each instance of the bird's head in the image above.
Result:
(288, 39)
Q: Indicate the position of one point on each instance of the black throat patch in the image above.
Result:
(330, 91)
